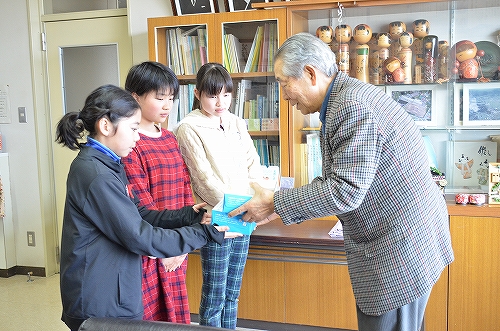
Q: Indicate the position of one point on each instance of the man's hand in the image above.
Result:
(258, 208)
(268, 219)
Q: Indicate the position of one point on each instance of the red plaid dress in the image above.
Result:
(160, 179)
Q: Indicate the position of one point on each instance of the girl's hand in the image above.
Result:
(197, 207)
(172, 263)
(207, 219)
(228, 235)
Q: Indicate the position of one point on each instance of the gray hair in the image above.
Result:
(304, 49)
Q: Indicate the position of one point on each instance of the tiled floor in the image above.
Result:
(36, 305)
(32, 305)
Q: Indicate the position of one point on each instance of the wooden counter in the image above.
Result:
(302, 263)
(485, 210)
(314, 233)
(310, 233)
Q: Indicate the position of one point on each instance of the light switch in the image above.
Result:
(22, 114)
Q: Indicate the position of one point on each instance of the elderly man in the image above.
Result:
(376, 179)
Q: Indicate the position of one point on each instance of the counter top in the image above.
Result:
(310, 233)
(485, 210)
(314, 233)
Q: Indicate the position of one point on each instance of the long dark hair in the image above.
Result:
(211, 79)
(108, 101)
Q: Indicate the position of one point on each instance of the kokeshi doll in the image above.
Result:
(430, 58)
(325, 33)
(362, 60)
(343, 58)
(383, 43)
(362, 35)
(405, 55)
(375, 67)
(421, 28)
(343, 35)
(443, 60)
(396, 28)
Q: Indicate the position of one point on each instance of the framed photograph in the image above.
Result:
(187, 7)
(239, 5)
(419, 101)
(458, 104)
(481, 104)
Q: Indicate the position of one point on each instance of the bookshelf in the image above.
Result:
(245, 43)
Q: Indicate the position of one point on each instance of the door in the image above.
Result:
(82, 54)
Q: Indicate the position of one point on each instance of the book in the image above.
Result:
(202, 44)
(337, 232)
(235, 224)
(314, 158)
(271, 178)
(253, 56)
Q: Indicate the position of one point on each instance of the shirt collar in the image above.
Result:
(100, 147)
(322, 113)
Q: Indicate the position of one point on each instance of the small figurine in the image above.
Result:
(421, 28)
(362, 35)
(383, 42)
(405, 55)
(325, 33)
(465, 53)
(343, 35)
(430, 58)
(393, 70)
(443, 50)
(396, 29)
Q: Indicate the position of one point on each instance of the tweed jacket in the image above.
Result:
(221, 157)
(376, 179)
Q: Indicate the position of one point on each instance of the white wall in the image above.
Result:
(138, 13)
(20, 139)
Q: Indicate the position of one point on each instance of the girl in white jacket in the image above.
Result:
(221, 158)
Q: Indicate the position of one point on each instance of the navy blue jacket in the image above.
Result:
(105, 234)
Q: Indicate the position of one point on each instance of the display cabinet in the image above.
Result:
(245, 43)
(459, 116)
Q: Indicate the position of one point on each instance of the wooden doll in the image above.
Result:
(443, 50)
(421, 28)
(396, 28)
(362, 35)
(405, 55)
(383, 42)
(325, 33)
(430, 58)
(343, 35)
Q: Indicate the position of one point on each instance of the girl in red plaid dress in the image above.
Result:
(160, 179)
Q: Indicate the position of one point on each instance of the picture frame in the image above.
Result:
(458, 104)
(419, 102)
(189, 7)
(481, 104)
(467, 164)
(240, 5)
